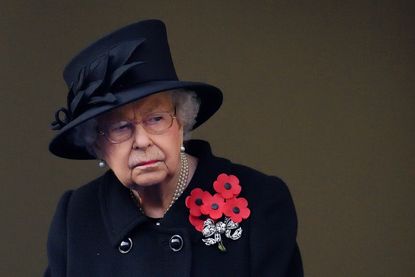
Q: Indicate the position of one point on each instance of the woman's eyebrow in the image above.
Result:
(156, 108)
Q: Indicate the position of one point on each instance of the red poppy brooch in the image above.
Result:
(207, 210)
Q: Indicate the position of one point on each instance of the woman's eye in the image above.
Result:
(121, 126)
(154, 119)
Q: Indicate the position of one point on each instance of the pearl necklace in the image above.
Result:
(181, 184)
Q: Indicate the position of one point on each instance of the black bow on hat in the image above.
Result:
(121, 67)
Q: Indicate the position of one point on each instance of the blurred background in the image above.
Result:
(320, 93)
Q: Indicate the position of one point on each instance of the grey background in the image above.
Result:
(320, 93)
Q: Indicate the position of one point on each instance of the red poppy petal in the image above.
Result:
(188, 201)
(196, 191)
(199, 227)
(227, 194)
(236, 190)
(204, 210)
(237, 218)
(219, 198)
(206, 196)
(196, 222)
(245, 213)
(233, 179)
(228, 212)
(242, 202)
(232, 202)
(228, 204)
(217, 186)
(195, 211)
(222, 177)
(215, 214)
(192, 219)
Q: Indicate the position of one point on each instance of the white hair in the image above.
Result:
(187, 106)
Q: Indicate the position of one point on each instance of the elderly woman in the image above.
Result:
(166, 206)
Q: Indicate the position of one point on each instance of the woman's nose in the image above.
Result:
(141, 138)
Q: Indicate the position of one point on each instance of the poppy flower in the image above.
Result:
(213, 206)
(195, 200)
(237, 209)
(196, 222)
(227, 185)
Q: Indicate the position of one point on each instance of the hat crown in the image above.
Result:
(154, 52)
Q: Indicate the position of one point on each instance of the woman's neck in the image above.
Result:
(155, 200)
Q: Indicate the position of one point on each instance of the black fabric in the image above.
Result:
(91, 221)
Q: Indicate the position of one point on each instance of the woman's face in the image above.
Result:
(144, 159)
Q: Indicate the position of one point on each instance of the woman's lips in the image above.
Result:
(145, 163)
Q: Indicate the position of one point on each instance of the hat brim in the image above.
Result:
(210, 97)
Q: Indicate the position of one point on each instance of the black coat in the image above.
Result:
(93, 221)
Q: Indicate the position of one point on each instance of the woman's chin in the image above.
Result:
(148, 178)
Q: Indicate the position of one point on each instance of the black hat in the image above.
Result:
(121, 67)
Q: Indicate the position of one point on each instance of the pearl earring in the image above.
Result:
(101, 163)
(182, 149)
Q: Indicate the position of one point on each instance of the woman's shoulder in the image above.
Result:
(258, 184)
(84, 194)
(255, 184)
(268, 197)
